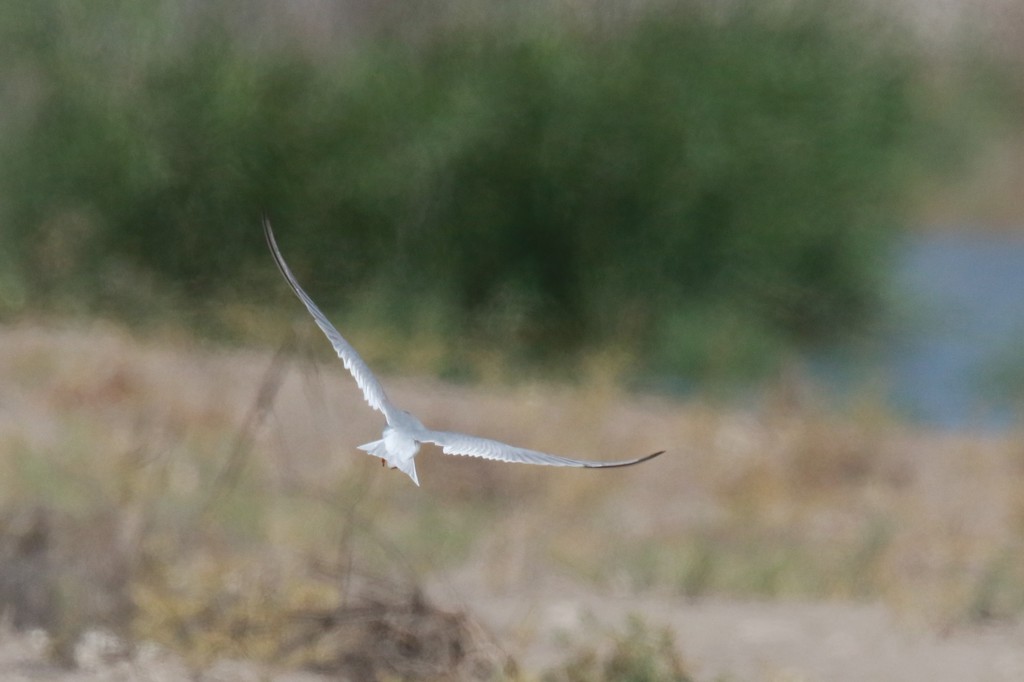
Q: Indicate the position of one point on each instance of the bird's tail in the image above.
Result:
(407, 467)
(375, 448)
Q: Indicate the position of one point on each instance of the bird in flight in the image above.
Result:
(404, 433)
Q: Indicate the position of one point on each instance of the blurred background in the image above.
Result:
(783, 240)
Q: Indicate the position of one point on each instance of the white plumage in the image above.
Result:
(404, 433)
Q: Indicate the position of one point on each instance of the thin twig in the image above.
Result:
(234, 463)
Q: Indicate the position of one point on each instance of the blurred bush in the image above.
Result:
(641, 653)
(705, 187)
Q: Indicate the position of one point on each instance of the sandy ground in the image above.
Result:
(770, 641)
(719, 639)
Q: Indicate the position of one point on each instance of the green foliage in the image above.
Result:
(547, 184)
(639, 654)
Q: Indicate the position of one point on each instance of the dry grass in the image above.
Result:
(213, 501)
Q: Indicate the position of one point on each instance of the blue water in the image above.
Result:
(953, 353)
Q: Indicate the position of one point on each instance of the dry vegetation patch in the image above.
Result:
(213, 501)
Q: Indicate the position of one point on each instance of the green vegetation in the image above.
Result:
(637, 655)
(706, 189)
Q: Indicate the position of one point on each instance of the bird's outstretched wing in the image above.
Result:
(367, 382)
(454, 443)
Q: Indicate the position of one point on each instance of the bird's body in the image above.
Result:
(399, 444)
(404, 433)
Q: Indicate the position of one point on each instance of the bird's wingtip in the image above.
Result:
(628, 463)
(651, 456)
(268, 231)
